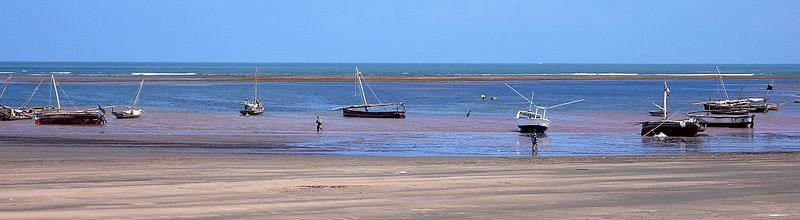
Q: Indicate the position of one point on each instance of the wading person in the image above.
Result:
(319, 124)
(534, 142)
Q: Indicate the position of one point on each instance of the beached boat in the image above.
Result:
(758, 105)
(532, 121)
(254, 107)
(366, 110)
(58, 116)
(680, 128)
(723, 120)
(132, 111)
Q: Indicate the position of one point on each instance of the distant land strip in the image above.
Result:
(381, 77)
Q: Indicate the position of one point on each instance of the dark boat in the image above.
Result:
(362, 111)
(255, 107)
(70, 118)
(673, 128)
(366, 110)
(680, 128)
(60, 117)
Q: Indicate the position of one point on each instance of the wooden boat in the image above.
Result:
(58, 116)
(531, 121)
(679, 128)
(722, 120)
(758, 105)
(367, 110)
(10, 114)
(131, 111)
(255, 107)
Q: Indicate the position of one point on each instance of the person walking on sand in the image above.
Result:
(319, 124)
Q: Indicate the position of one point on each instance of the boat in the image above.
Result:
(724, 120)
(255, 107)
(531, 121)
(58, 116)
(756, 105)
(672, 128)
(367, 110)
(132, 111)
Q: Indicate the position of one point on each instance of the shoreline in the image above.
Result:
(381, 78)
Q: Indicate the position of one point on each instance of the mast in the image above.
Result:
(255, 86)
(361, 86)
(55, 88)
(666, 93)
(139, 91)
(721, 82)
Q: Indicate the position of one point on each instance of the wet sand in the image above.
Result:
(382, 78)
(171, 183)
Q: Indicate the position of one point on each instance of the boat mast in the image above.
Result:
(139, 91)
(721, 82)
(55, 88)
(666, 93)
(255, 87)
(361, 86)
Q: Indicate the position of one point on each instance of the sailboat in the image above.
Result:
(23, 112)
(531, 121)
(132, 111)
(58, 116)
(681, 128)
(388, 110)
(255, 107)
(728, 105)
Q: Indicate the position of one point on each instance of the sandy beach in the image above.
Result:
(85, 182)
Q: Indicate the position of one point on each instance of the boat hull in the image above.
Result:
(129, 113)
(672, 128)
(370, 114)
(533, 125)
(730, 121)
(80, 118)
(251, 112)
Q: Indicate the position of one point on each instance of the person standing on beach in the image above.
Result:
(319, 124)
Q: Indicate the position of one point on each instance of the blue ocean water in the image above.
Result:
(596, 126)
(127, 68)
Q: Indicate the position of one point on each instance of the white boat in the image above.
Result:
(532, 121)
(724, 120)
(132, 111)
(254, 107)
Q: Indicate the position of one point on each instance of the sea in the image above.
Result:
(603, 123)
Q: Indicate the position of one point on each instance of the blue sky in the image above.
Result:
(428, 31)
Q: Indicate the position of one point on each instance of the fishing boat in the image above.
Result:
(132, 111)
(724, 120)
(532, 121)
(58, 116)
(367, 110)
(255, 107)
(680, 128)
